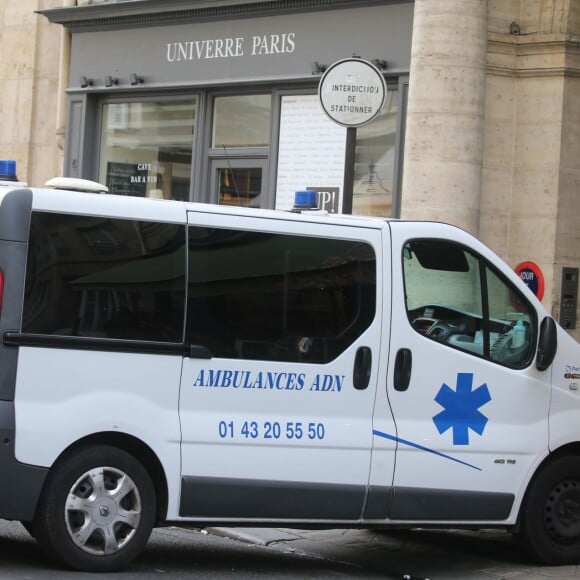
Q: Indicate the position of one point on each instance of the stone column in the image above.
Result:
(444, 125)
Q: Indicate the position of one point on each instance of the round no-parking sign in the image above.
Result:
(352, 92)
(532, 276)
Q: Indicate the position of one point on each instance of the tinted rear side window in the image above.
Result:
(102, 277)
(277, 297)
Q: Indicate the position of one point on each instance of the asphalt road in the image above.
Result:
(174, 553)
(250, 553)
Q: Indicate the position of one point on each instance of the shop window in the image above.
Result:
(314, 153)
(311, 153)
(241, 121)
(375, 167)
(146, 148)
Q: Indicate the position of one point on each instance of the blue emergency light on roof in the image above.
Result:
(8, 170)
(306, 199)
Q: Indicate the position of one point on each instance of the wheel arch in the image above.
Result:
(139, 450)
(571, 449)
(548, 524)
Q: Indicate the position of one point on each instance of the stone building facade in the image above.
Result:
(493, 127)
(32, 89)
(484, 129)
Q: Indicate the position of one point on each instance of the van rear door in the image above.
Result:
(276, 421)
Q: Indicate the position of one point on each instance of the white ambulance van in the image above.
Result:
(174, 363)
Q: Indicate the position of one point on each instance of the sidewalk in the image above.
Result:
(416, 554)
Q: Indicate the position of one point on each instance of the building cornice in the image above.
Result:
(533, 55)
(141, 13)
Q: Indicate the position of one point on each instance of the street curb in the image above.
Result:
(257, 536)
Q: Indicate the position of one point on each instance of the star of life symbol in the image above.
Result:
(461, 408)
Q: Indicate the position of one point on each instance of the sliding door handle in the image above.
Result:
(362, 368)
(403, 364)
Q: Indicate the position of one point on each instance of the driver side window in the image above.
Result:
(455, 298)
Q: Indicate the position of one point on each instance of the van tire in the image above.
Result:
(98, 488)
(29, 528)
(550, 516)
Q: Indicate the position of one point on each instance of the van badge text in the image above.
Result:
(270, 381)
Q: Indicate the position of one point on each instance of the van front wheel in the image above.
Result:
(97, 510)
(550, 522)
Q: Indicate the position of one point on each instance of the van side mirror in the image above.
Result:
(548, 344)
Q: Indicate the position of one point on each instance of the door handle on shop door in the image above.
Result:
(402, 374)
(362, 368)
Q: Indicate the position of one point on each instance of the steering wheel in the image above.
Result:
(503, 351)
(441, 331)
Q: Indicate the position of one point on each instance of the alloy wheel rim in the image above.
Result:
(102, 511)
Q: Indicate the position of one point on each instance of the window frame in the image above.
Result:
(288, 337)
(126, 302)
(83, 154)
(95, 147)
(483, 266)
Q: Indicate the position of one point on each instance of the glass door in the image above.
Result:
(238, 182)
(239, 149)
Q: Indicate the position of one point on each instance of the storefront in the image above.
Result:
(217, 102)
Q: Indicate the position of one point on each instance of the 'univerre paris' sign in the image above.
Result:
(352, 92)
